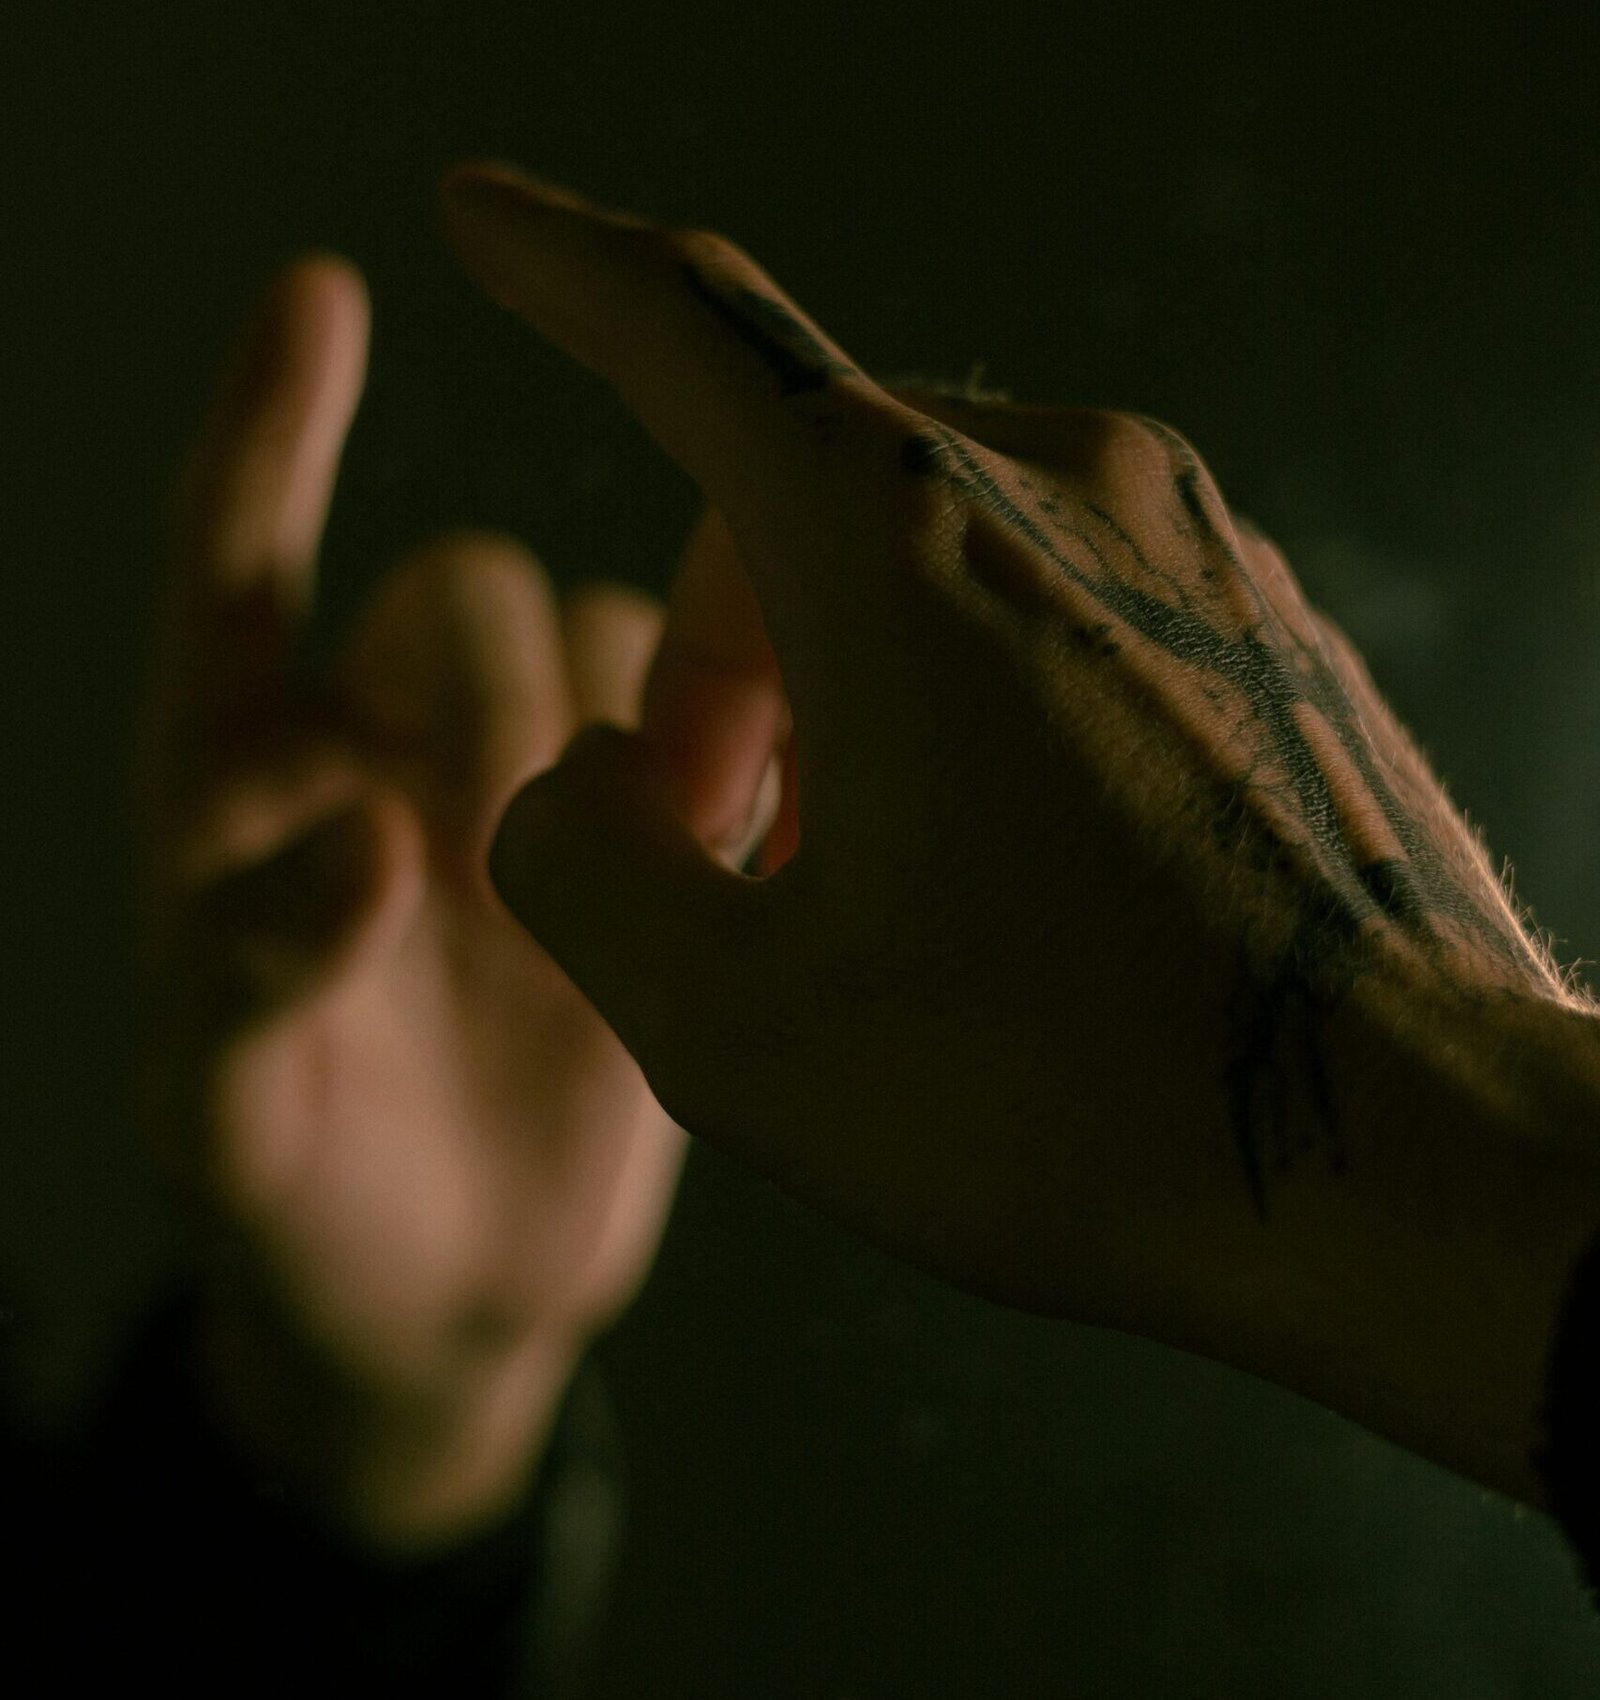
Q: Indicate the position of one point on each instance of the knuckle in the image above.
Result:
(1138, 443)
(923, 453)
(1168, 439)
(1140, 452)
(1268, 561)
(942, 477)
(672, 256)
(929, 531)
(870, 428)
(895, 422)
(667, 266)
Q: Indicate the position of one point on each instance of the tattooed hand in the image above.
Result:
(1100, 856)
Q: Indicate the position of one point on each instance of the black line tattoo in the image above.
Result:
(1186, 480)
(1279, 1010)
(800, 362)
(1392, 888)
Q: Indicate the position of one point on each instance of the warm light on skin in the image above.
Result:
(394, 1111)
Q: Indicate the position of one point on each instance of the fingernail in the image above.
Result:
(737, 848)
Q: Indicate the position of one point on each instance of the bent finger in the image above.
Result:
(714, 710)
(769, 416)
(719, 732)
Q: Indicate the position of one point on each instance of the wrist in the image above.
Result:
(401, 1470)
(1417, 1290)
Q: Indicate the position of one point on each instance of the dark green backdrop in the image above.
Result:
(1350, 251)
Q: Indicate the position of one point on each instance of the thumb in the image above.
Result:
(663, 939)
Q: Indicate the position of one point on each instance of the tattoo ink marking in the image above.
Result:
(800, 362)
(1189, 494)
(1393, 890)
(1279, 1017)
(1267, 681)
(921, 456)
(1095, 639)
(1277, 1011)
(1186, 481)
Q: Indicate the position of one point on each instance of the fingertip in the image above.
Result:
(310, 323)
(317, 286)
(612, 632)
(326, 268)
(333, 295)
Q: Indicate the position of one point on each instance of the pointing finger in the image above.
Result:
(765, 412)
(719, 719)
(248, 518)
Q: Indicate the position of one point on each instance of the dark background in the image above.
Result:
(1350, 252)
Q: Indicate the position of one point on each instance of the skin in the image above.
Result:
(1115, 954)
(423, 1170)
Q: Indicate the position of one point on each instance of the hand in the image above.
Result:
(429, 1171)
(1104, 882)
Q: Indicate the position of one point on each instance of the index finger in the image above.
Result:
(714, 705)
(247, 521)
(768, 415)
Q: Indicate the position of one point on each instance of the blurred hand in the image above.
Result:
(1096, 837)
(429, 1170)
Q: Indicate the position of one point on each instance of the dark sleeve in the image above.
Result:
(1567, 1461)
(177, 1563)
